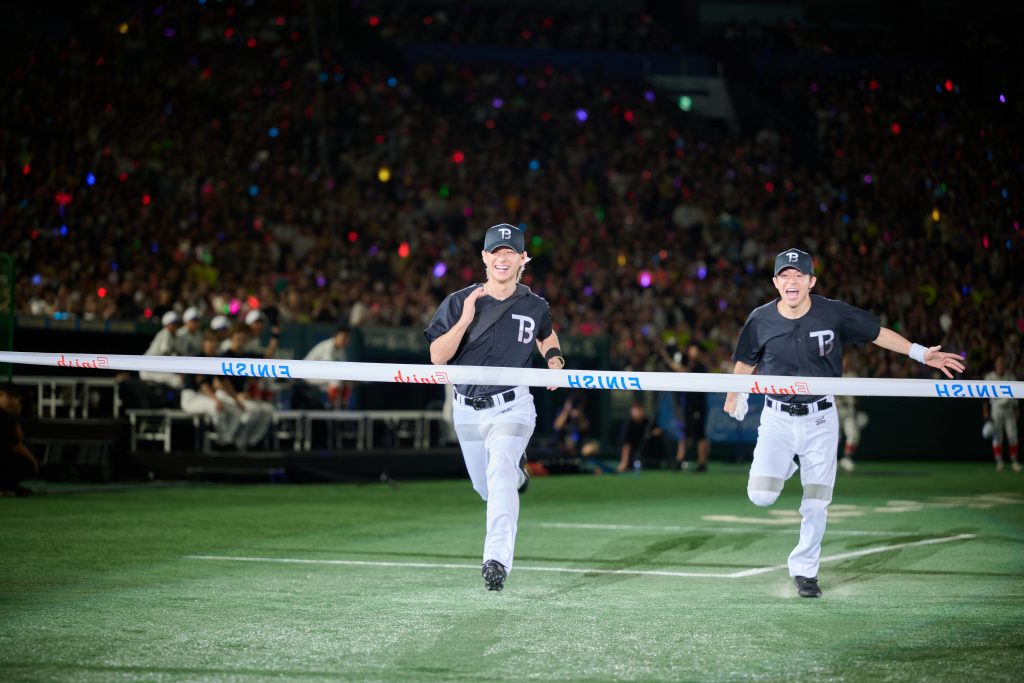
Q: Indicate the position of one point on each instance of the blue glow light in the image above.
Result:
(534, 165)
(273, 132)
(392, 82)
(37, 279)
(581, 115)
(90, 179)
(254, 190)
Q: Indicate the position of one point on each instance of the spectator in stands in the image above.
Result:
(317, 394)
(165, 343)
(1001, 412)
(642, 442)
(694, 406)
(851, 419)
(255, 323)
(257, 414)
(17, 462)
(572, 428)
(190, 335)
(206, 395)
(220, 326)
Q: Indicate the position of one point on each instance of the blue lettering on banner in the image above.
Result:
(974, 391)
(604, 382)
(255, 370)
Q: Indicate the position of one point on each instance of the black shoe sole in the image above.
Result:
(811, 591)
(494, 577)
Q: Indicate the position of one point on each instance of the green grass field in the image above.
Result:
(658, 576)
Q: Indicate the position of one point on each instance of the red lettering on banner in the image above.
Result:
(97, 363)
(435, 378)
(795, 388)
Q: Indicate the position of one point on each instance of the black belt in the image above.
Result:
(797, 409)
(485, 402)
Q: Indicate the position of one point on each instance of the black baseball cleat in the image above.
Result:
(526, 476)
(807, 587)
(494, 575)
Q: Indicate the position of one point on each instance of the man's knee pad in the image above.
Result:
(762, 498)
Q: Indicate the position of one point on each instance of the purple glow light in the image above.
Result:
(497, 103)
(649, 95)
(440, 269)
(702, 272)
(644, 279)
(867, 179)
(581, 115)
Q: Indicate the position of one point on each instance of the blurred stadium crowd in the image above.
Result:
(292, 157)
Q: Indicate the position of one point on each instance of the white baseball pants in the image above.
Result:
(493, 441)
(1003, 420)
(226, 422)
(815, 439)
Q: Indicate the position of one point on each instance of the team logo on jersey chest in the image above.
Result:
(825, 341)
(526, 325)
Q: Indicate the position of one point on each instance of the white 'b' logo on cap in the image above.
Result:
(793, 256)
(505, 233)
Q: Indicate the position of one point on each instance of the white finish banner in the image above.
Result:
(405, 373)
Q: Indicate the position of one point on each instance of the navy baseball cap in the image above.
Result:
(794, 258)
(504, 235)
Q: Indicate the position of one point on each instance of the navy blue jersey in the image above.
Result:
(810, 346)
(508, 343)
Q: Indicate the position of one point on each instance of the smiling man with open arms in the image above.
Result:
(802, 335)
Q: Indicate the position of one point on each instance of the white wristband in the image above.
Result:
(917, 352)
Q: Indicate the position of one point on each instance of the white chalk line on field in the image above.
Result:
(578, 570)
(714, 529)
